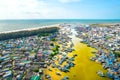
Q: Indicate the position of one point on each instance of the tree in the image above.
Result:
(36, 70)
(53, 39)
(51, 44)
(26, 33)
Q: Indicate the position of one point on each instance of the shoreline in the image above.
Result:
(66, 39)
(46, 26)
(30, 29)
(28, 32)
(57, 25)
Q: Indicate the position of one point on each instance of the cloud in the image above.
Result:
(68, 1)
(31, 9)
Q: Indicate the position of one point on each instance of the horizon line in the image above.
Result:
(61, 19)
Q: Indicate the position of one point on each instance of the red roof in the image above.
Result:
(39, 55)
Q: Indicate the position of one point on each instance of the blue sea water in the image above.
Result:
(10, 25)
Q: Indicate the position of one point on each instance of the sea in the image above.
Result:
(11, 25)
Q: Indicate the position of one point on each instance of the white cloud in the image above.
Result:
(26, 9)
(68, 1)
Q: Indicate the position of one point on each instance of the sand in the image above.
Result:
(30, 29)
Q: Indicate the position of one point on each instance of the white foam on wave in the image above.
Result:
(29, 29)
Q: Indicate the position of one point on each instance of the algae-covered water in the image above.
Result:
(84, 69)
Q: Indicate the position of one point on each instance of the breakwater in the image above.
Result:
(27, 32)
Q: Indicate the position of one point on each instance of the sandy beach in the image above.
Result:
(30, 29)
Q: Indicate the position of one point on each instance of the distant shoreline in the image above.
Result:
(47, 26)
(30, 29)
(21, 24)
(28, 32)
(61, 19)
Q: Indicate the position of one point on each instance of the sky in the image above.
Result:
(59, 9)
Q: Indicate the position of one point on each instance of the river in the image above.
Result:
(84, 69)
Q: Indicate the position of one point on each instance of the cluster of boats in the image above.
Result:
(106, 41)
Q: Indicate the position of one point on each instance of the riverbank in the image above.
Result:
(57, 56)
(84, 69)
(106, 39)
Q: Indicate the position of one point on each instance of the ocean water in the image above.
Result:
(10, 25)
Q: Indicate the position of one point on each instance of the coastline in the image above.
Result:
(83, 65)
(19, 24)
(56, 25)
(30, 29)
(28, 32)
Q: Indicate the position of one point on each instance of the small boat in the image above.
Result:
(65, 78)
(47, 76)
(100, 73)
(58, 73)
(49, 69)
(92, 58)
